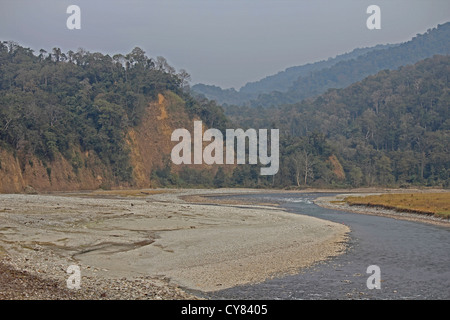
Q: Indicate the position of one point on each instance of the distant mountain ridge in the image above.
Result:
(283, 80)
(280, 81)
(339, 72)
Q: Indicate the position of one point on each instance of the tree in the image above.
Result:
(220, 178)
(184, 79)
(304, 163)
(163, 65)
(355, 176)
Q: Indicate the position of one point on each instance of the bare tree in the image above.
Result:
(184, 78)
(163, 65)
(304, 162)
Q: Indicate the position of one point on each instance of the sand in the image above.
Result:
(156, 245)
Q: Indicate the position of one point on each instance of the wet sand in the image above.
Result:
(153, 246)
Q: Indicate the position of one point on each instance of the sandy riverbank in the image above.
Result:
(150, 245)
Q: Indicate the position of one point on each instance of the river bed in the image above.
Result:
(413, 258)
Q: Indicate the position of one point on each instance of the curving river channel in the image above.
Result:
(413, 257)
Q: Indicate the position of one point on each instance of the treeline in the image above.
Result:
(391, 129)
(304, 162)
(53, 101)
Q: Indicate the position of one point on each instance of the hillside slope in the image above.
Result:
(433, 42)
(87, 120)
(281, 81)
(392, 128)
(298, 83)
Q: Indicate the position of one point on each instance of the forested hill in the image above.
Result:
(79, 119)
(336, 73)
(390, 129)
(434, 41)
(281, 81)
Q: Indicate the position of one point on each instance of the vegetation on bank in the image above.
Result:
(391, 129)
(435, 204)
(55, 103)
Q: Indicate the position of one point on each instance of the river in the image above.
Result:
(413, 259)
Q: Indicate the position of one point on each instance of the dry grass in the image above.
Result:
(436, 204)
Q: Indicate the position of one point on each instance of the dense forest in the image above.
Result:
(53, 101)
(391, 129)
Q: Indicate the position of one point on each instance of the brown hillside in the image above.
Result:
(26, 172)
(149, 144)
(337, 168)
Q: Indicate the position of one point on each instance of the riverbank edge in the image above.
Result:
(337, 202)
(17, 283)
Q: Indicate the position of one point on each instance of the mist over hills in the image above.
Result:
(297, 83)
(281, 81)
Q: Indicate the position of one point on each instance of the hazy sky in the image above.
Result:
(220, 42)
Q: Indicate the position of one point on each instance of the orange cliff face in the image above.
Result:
(337, 168)
(149, 144)
(25, 172)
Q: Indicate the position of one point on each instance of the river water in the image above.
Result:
(413, 259)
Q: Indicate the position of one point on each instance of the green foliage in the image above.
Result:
(186, 178)
(195, 178)
(54, 101)
(164, 177)
(391, 129)
(220, 179)
(77, 162)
